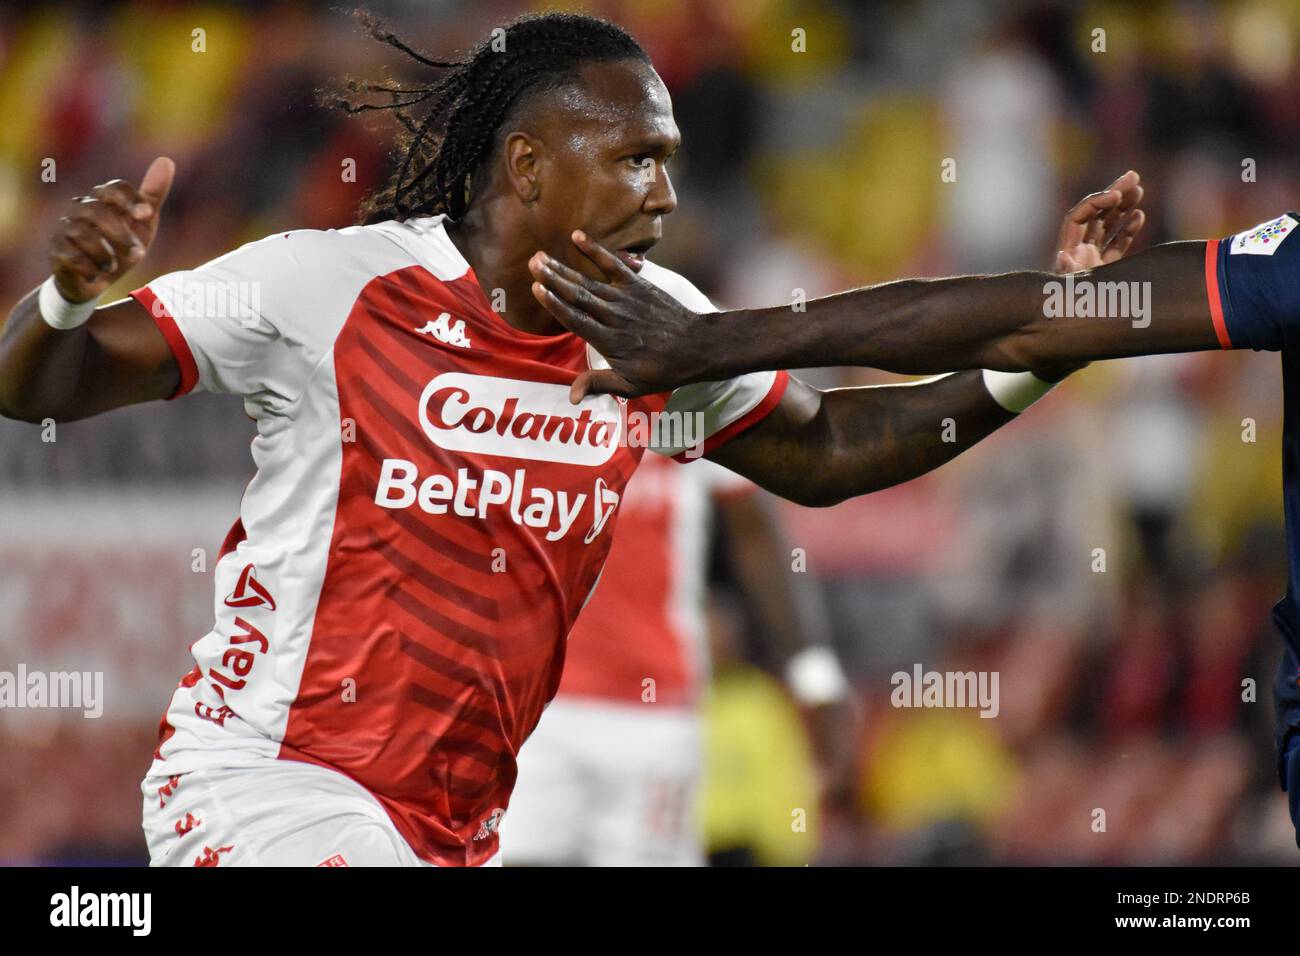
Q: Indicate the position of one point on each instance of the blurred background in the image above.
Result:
(819, 170)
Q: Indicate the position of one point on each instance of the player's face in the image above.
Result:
(608, 145)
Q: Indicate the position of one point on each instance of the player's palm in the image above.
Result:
(1098, 230)
(1101, 227)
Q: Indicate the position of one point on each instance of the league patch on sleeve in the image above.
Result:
(1263, 240)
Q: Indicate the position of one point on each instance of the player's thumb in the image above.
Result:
(598, 382)
(1065, 263)
(157, 182)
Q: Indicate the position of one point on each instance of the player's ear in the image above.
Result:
(523, 161)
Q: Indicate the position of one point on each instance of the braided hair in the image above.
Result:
(449, 125)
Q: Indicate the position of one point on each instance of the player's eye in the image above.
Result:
(640, 160)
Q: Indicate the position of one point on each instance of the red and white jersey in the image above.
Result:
(642, 637)
(428, 515)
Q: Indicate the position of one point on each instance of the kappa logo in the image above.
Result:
(249, 592)
(442, 330)
(491, 824)
(519, 419)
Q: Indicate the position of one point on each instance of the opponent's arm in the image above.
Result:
(118, 356)
(1005, 322)
(823, 447)
(999, 322)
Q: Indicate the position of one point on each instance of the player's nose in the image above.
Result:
(662, 198)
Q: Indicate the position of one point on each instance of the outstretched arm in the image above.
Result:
(1002, 322)
(818, 447)
(1015, 321)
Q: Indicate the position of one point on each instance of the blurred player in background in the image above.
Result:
(611, 775)
(429, 512)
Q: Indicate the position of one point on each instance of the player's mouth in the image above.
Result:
(633, 255)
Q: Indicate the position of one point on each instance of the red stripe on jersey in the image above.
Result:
(445, 667)
(479, 604)
(175, 340)
(748, 420)
(453, 630)
(1212, 292)
(439, 543)
(390, 369)
(465, 717)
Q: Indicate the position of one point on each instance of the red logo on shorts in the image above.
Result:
(185, 826)
(210, 856)
(249, 592)
(335, 860)
(167, 789)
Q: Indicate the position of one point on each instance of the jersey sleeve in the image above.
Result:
(711, 413)
(254, 322)
(1253, 283)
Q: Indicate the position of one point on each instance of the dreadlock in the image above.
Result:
(449, 126)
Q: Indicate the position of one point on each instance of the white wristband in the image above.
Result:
(1015, 391)
(58, 312)
(815, 678)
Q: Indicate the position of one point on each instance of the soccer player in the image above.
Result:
(429, 511)
(1242, 291)
(611, 775)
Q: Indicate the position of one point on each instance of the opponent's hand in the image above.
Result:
(648, 337)
(108, 232)
(1101, 226)
(1098, 230)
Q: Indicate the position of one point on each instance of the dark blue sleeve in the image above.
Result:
(1254, 286)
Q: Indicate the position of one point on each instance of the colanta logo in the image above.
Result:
(518, 419)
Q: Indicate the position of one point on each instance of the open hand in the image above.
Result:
(1101, 226)
(1097, 231)
(651, 341)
